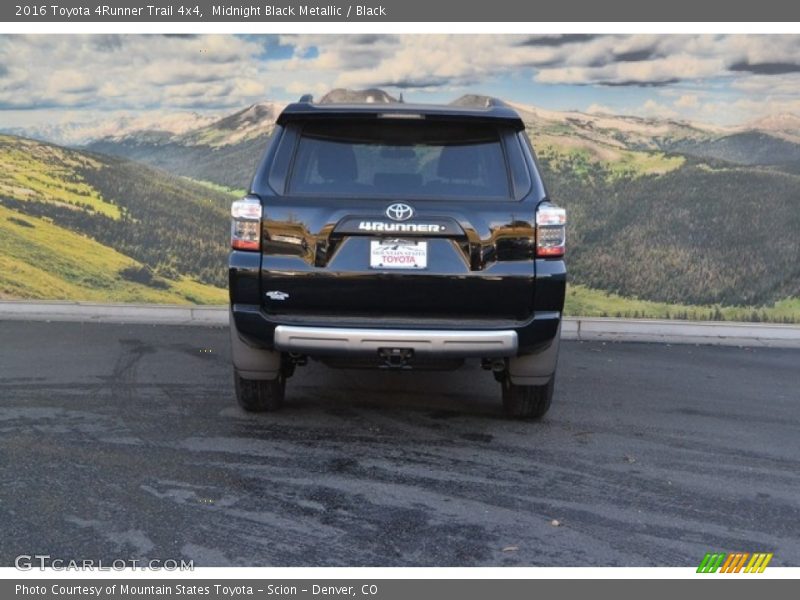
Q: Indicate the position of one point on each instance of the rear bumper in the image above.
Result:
(444, 343)
(452, 338)
(256, 327)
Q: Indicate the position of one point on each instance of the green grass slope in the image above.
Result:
(81, 226)
(32, 171)
(39, 260)
(586, 302)
(231, 166)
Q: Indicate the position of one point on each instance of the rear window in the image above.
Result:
(400, 158)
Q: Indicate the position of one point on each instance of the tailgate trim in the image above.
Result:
(336, 340)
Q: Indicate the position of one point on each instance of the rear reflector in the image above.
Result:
(551, 224)
(246, 224)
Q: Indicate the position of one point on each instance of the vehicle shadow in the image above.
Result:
(468, 390)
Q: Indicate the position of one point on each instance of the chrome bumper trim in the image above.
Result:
(335, 340)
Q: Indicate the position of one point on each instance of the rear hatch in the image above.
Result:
(399, 218)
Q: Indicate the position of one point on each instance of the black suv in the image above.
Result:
(397, 236)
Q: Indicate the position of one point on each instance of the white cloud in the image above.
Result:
(420, 61)
(648, 72)
(787, 84)
(220, 72)
(134, 71)
(300, 88)
(687, 101)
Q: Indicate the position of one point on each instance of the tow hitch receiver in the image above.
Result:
(396, 358)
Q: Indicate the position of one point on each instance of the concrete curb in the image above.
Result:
(158, 314)
(574, 328)
(681, 332)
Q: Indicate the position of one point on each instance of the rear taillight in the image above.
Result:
(246, 224)
(551, 225)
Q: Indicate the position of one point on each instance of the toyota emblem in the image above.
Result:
(399, 212)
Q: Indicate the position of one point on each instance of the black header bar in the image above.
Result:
(388, 11)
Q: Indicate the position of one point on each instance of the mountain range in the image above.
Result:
(770, 140)
(226, 150)
(83, 131)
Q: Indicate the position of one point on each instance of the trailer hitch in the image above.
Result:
(396, 358)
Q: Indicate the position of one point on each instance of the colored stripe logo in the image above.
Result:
(735, 562)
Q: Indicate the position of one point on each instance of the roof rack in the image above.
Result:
(469, 100)
(479, 101)
(492, 101)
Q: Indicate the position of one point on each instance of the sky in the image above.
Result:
(54, 80)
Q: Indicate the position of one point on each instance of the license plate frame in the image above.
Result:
(398, 254)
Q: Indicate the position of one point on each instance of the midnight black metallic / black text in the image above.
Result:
(302, 10)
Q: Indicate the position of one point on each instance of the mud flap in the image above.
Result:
(535, 369)
(253, 363)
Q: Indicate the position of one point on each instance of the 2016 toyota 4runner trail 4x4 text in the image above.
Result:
(397, 236)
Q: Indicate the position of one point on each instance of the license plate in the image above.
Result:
(398, 254)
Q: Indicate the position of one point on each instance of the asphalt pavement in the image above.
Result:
(125, 441)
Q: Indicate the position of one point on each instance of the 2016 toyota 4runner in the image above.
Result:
(397, 236)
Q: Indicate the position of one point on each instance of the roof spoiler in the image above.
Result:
(474, 107)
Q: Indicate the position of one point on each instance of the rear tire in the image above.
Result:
(259, 395)
(527, 401)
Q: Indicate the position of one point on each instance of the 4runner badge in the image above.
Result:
(276, 295)
(399, 212)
